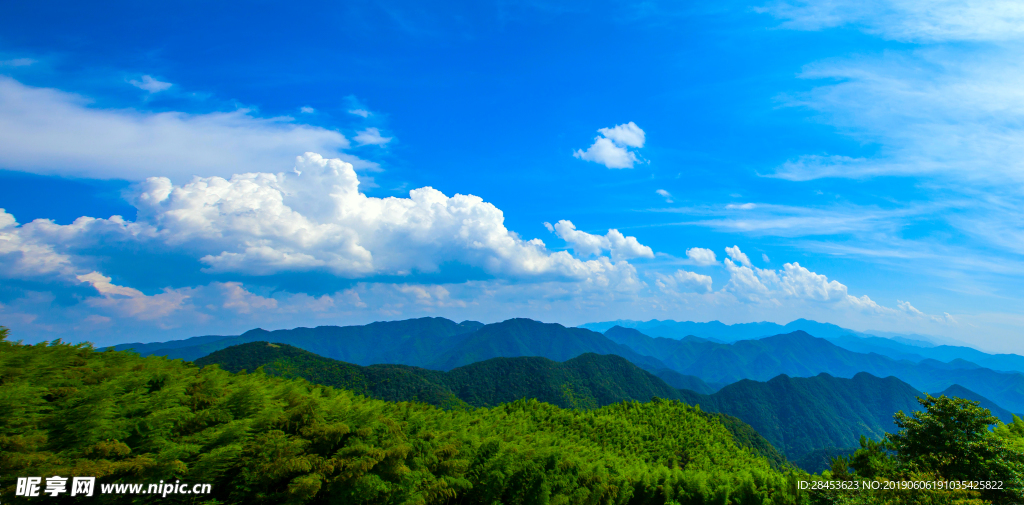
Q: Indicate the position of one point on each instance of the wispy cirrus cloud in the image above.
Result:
(45, 130)
(150, 84)
(907, 20)
(944, 108)
(794, 221)
(371, 136)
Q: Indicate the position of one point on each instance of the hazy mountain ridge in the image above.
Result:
(439, 343)
(526, 337)
(959, 391)
(889, 344)
(410, 342)
(726, 333)
(799, 354)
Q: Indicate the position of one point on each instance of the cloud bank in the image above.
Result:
(314, 219)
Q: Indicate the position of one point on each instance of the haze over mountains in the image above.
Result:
(718, 331)
(805, 395)
(799, 354)
(441, 344)
(897, 347)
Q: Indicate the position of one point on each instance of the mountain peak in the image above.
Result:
(798, 335)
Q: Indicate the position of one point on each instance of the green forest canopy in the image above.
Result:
(68, 410)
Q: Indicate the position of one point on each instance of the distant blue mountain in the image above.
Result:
(799, 354)
(715, 330)
(893, 346)
(689, 362)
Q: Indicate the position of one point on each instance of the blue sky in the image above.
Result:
(851, 162)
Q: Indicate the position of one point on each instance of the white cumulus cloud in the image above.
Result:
(914, 312)
(313, 218)
(586, 244)
(683, 280)
(129, 302)
(737, 255)
(611, 149)
(629, 134)
(665, 194)
(701, 256)
(792, 283)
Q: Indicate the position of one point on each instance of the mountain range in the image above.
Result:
(690, 362)
(797, 416)
(895, 346)
(721, 332)
(587, 381)
(800, 415)
(799, 354)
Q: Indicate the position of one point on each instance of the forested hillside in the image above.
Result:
(586, 381)
(67, 410)
(800, 415)
(383, 382)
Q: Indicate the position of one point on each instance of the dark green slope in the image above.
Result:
(383, 382)
(799, 415)
(256, 439)
(526, 337)
(587, 381)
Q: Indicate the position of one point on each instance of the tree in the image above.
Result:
(950, 436)
(873, 459)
